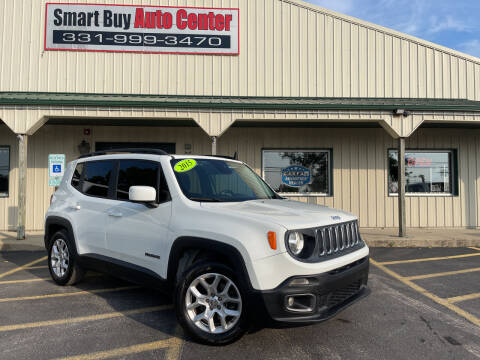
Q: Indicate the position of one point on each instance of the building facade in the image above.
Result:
(318, 103)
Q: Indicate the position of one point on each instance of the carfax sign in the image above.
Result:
(296, 176)
(56, 169)
(149, 29)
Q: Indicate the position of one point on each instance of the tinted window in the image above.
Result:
(298, 172)
(77, 175)
(221, 181)
(426, 171)
(4, 169)
(97, 178)
(136, 173)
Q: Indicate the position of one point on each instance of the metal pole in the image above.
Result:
(214, 145)
(22, 185)
(402, 223)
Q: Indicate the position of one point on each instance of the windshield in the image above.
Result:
(208, 180)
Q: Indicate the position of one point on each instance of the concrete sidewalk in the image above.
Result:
(422, 238)
(373, 237)
(33, 242)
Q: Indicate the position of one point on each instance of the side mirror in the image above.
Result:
(142, 194)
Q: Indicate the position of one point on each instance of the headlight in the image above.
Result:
(296, 242)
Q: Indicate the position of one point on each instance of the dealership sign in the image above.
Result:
(149, 29)
(296, 176)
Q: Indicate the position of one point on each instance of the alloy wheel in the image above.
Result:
(213, 303)
(59, 258)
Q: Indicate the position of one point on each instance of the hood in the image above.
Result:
(289, 214)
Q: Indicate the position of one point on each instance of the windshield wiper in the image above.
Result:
(204, 199)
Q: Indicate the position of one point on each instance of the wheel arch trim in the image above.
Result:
(62, 222)
(231, 254)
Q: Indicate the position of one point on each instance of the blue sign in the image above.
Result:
(296, 176)
(57, 169)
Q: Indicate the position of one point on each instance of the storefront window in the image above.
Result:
(4, 170)
(298, 172)
(426, 172)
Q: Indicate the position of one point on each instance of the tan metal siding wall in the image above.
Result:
(65, 140)
(286, 50)
(360, 171)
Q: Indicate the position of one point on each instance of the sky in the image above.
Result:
(451, 23)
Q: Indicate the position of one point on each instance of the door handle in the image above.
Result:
(115, 214)
(75, 207)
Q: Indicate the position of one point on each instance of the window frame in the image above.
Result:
(160, 177)
(82, 179)
(454, 159)
(7, 193)
(330, 171)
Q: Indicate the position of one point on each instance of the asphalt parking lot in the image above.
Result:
(425, 304)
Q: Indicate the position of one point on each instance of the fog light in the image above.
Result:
(303, 303)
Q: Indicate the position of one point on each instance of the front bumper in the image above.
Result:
(330, 292)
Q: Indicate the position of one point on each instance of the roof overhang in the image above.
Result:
(235, 103)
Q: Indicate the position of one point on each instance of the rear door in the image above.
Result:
(137, 233)
(89, 209)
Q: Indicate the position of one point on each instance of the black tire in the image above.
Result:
(74, 272)
(181, 288)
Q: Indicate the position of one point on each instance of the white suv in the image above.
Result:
(210, 231)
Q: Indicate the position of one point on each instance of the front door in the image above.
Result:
(137, 233)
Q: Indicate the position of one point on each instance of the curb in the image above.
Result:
(415, 243)
(31, 243)
(20, 247)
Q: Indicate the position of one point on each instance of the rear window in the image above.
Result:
(77, 176)
(97, 178)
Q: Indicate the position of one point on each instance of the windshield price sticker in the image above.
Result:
(185, 165)
(150, 29)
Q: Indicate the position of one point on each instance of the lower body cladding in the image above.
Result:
(314, 298)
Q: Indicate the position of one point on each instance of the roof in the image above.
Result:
(232, 103)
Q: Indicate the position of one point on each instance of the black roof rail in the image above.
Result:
(125, 151)
(234, 157)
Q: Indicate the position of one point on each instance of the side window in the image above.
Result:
(4, 170)
(136, 173)
(77, 176)
(97, 178)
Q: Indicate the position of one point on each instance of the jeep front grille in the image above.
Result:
(335, 239)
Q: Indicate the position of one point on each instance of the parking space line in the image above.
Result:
(429, 276)
(76, 293)
(89, 276)
(428, 259)
(37, 267)
(474, 248)
(23, 281)
(435, 298)
(23, 267)
(79, 319)
(464, 298)
(129, 350)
